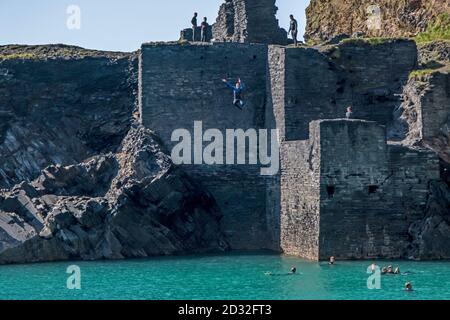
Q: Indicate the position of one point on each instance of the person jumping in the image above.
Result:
(237, 92)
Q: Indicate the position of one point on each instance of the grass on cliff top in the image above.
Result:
(42, 52)
(372, 41)
(439, 30)
(421, 74)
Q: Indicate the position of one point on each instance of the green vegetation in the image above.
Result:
(311, 42)
(439, 30)
(420, 74)
(17, 56)
(44, 52)
(372, 41)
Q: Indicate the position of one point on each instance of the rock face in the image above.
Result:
(249, 21)
(423, 118)
(240, 190)
(54, 109)
(434, 54)
(131, 204)
(383, 18)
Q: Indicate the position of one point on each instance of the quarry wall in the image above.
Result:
(309, 84)
(343, 190)
(358, 195)
(180, 84)
(249, 21)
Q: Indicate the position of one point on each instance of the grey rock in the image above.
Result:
(124, 222)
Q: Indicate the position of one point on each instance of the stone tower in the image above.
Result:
(249, 21)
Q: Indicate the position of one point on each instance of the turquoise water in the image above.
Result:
(234, 276)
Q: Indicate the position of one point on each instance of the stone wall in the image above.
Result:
(436, 114)
(180, 84)
(300, 197)
(186, 34)
(249, 21)
(362, 193)
(55, 110)
(311, 84)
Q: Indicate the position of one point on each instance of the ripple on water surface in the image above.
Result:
(234, 276)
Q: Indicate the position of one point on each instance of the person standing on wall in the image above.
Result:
(204, 27)
(194, 26)
(293, 29)
(349, 114)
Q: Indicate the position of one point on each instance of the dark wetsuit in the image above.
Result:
(293, 29)
(205, 26)
(194, 27)
(237, 94)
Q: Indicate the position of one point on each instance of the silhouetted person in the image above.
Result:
(194, 25)
(204, 27)
(293, 29)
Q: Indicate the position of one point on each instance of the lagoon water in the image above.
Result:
(233, 276)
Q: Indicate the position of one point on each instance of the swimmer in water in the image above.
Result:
(408, 286)
(390, 270)
(332, 261)
(384, 270)
(397, 270)
(293, 270)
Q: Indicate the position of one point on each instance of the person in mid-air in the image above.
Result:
(194, 26)
(237, 92)
(293, 29)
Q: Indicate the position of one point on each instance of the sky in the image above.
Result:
(116, 25)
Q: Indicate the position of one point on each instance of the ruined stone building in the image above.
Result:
(81, 178)
(344, 189)
(246, 21)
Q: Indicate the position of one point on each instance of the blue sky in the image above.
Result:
(113, 24)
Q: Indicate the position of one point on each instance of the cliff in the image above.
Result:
(85, 136)
(384, 18)
(80, 180)
(61, 105)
